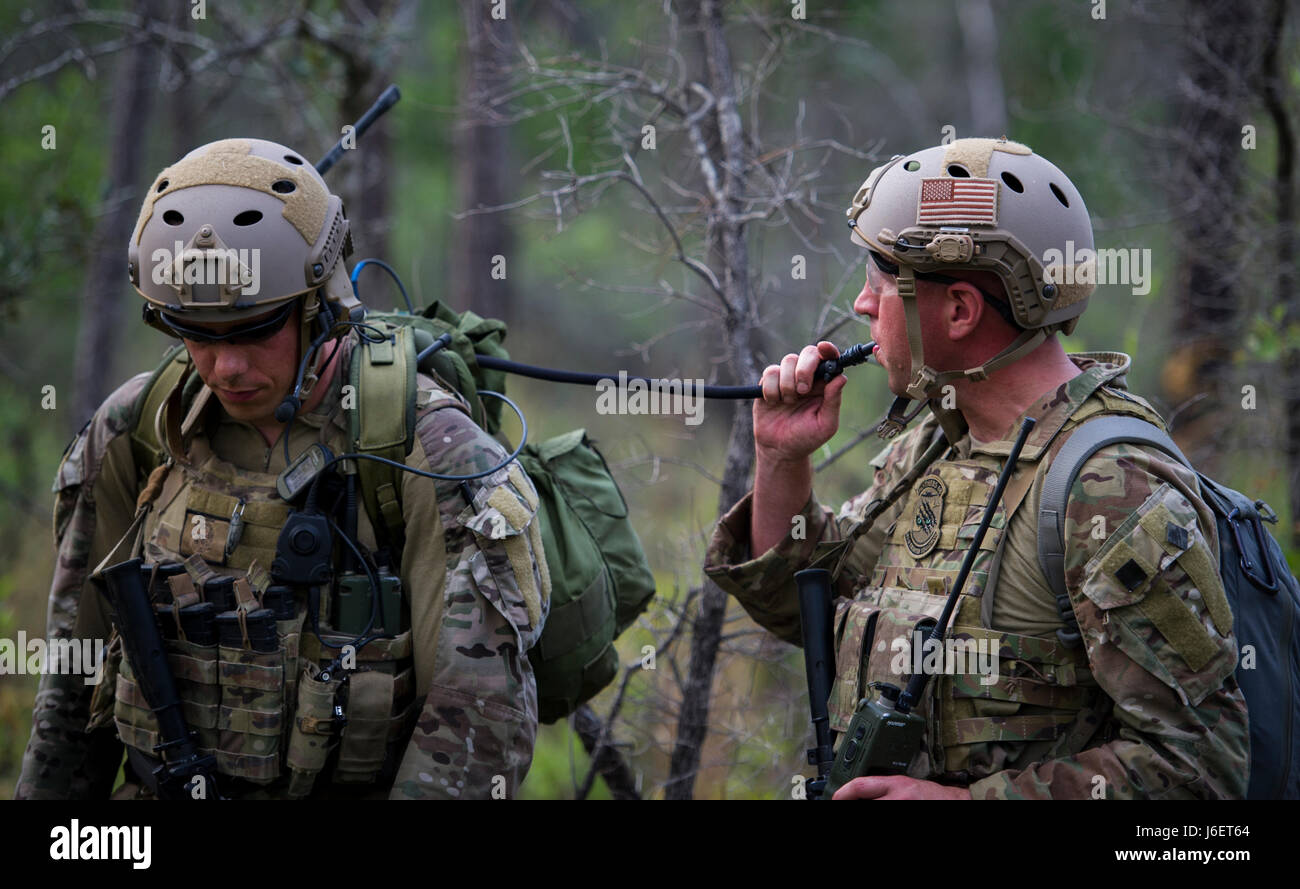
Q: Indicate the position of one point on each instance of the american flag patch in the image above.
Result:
(958, 202)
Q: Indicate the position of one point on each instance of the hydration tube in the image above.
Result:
(828, 370)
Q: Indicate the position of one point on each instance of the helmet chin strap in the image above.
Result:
(330, 307)
(926, 382)
(306, 341)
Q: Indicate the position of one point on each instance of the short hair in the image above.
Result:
(992, 287)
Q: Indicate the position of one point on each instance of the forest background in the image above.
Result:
(659, 188)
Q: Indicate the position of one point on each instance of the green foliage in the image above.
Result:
(47, 195)
(559, 766)
(1268, 337)
(855, 74)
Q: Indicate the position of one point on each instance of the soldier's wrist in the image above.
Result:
(781, 460)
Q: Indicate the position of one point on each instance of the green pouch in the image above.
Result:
(311, 735)
(379, 695)
(855, 626)
(600, 580)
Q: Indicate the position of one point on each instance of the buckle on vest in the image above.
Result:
(331, 725)
(897, 418)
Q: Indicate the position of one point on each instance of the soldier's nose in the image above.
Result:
(867, 303)
(229, 364)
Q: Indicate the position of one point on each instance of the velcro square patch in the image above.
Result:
(1131, 575)
(1177, 535)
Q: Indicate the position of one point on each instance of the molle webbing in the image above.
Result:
(1032, 672)
(146, 449)
(383, 423)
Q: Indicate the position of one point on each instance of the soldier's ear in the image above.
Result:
(962, 309)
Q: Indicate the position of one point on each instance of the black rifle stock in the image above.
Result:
(815, 616)
(185, 773)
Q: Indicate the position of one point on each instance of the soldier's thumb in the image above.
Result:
(832, 395)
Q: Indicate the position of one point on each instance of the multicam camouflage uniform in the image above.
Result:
(473, 616)
(1147, 706)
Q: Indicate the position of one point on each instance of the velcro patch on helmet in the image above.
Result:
(961, 201)
(229, 162)
(975, 154)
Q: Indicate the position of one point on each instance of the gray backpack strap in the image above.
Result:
(1090, 437)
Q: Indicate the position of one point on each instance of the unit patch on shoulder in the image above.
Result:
(923, 534)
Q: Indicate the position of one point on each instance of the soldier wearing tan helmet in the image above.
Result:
(1124, 686)
(239, 253)
(241, 235)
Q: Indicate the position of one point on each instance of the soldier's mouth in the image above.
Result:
(231, 395)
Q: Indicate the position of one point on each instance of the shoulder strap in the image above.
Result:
(1088, 438)
(146, 449)
(383, 423)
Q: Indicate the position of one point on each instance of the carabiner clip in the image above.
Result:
(236, 528)
(1269, 582)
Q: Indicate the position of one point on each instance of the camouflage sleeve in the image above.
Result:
(475, 614)
(765, 585)
(1142, 572)
(95, 493)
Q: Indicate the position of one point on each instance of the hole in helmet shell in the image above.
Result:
(249, 217)
(912, 166)
(1013, 183)
(173, 217)
(1060, 196)
(293, 159)
(282, 186)
(957, 171)
(162, 186)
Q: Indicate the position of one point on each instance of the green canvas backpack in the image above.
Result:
(600, 579)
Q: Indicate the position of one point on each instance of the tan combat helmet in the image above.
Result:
(236, 228)
(979, 205)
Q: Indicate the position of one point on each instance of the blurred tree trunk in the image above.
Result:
(364, 174)
(725, 152)
(572, 23)
(182, 102)
(1219, 67)
(104, 312)
(608, 762)
(988, 100)
(482, 168)
(1277, 100)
